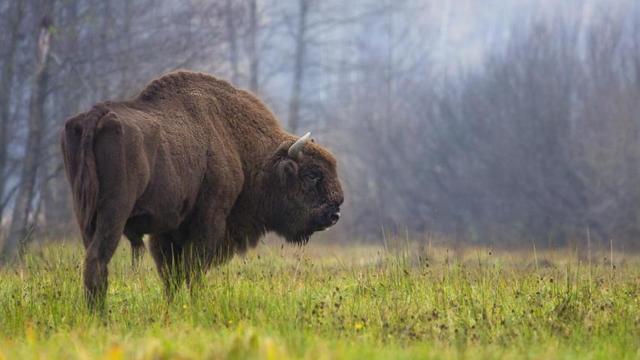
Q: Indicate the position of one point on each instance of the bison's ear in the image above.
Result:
(287, 171)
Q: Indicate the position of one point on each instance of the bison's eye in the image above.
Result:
(312, 177)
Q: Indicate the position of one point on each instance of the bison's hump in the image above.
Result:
(181, 82)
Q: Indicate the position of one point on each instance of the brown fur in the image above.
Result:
(198, 164)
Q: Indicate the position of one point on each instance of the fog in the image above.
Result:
(495, 122)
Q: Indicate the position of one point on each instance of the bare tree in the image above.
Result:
(18, 230)
(11, 38)
(254, 61)
(299, 63)
(232, 37)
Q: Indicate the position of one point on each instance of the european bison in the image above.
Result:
(203, 167)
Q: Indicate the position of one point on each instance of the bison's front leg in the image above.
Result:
(168, 253)
(185, 255)
(208, 245)
(208, 241)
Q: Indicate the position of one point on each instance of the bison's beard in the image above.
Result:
(301, 238)
(298, 226)
(293, 235)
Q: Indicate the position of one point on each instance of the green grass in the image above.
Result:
(330, 302)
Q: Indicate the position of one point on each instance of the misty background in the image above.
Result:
(503, 123)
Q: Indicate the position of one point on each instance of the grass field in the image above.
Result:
(331, 302)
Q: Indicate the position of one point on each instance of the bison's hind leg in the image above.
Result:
(99, 253)
(137, 247)
(137, 251)
(115, 202)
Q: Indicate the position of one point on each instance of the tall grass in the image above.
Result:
(329, 302)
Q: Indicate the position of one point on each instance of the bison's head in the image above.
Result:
(308, 195)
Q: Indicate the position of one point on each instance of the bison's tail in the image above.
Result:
(80, 164)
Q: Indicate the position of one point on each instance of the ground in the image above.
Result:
(332, 302)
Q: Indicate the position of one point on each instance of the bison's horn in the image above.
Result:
(294, 150)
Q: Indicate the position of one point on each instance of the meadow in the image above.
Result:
(331, 302)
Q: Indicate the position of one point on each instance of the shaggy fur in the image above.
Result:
(198, 164)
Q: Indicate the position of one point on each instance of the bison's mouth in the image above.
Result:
(321, 227)
(326, 220)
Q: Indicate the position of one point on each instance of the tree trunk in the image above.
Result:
(14, 15)
(19, 228)
(233, 41)
(126, 75)
(253, 52)
(298, 67)
(54, 193)
(108, 23)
